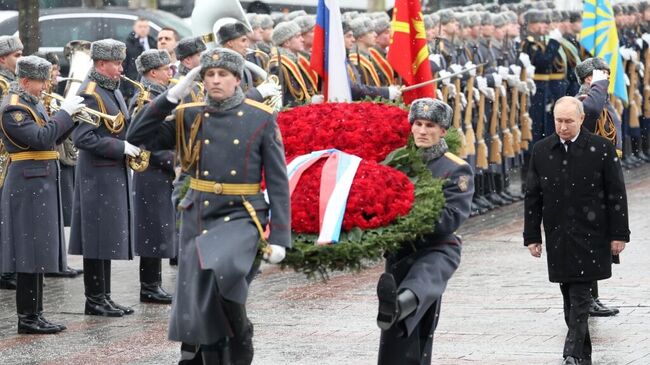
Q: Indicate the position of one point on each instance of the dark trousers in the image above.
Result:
(236, 350)
(594, 290)
(150, 270)
(97, 277)
(29, 293)
(577, 298)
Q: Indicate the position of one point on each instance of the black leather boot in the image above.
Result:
(95, 286)
(107, 289)
(31, 324)
(393, 307)
(98, 305)
(61, 327)
(154, 293)
(27, 305)
(240, 345)
(8, 281)
(67, 273)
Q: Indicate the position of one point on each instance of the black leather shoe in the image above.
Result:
(32, 324)
(99, 306)
(60, 326)
(485, 203)
(388, 307)
(570, 360)
(506, 197)
(154, 293)
(8, 281)
(597, 309)
(495, 199)
(125, 310)
(67, 273)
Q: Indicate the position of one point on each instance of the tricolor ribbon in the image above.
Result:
(336, 181)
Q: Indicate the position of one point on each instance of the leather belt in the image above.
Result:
(549, 77)
(214, 187)
(34, 155)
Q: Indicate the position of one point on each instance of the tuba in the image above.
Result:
(206, 21)
(78, 53)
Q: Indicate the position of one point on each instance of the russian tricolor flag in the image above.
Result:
(328, 52)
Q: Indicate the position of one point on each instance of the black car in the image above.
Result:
(61, 25)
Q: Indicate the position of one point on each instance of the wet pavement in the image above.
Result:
(499, 308)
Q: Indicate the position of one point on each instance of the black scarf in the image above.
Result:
(103, 81)
(431, 153)
(228, 103)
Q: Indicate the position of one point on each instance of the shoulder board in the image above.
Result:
(259, 105)
(13, 100)
(174, 81)
(90, 87)
(456, 159)
(189, 105)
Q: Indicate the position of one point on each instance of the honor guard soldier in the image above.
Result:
(188, 51)
(363, 30)
(154, 218)
(101, 216)
(233, 36)
(31, 190)
(67, 158)
(224, 144)
(410, 290)
(266, 23)
(255, 54)
(284, 64)
(11, 48)
(307, 24)
(378, 52)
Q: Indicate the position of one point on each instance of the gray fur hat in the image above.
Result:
(360, 26)
(51, 57)
(383, 24)
(228, 32)
(534, 16)
(499, 20)
(265, 20)
(283, 32)
(305, 22)
(223, 58)
(428, 21)
(10, 44)
(108, 50)
(511, 16)
(587, 67)
(486, 18)
(346, 26)
(431, 109)
(475, 18)
(278, 18)
(435, 18)
(296, 13)
(446, 16)
(33, 67)
(153, 58)
(464, 20)
(189, 46)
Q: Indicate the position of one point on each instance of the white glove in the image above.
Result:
(555, 34)
(531, 86)
(639, 42)
(516, 69)
(599, 75)
(438, 94)
(394, 92)
(179, 91)
(456, 68)
(481, 82)
(317, 99)
(463, 100)
(503, 71)
(73, 104)
(502, 89)
(436, 58)
(269, 89)
(452, 90)
(624, 53)
(131, 150)
(521, 86)
(641, 69)
(445, 77)
(477, 94)
(489, 93)
(627, 80)
(513, 80)
(470, 65)
(277, 254)
(530, 71)
(525, 59)
(646, 38)
(497, 78)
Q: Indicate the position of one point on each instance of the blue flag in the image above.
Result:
(600, 38)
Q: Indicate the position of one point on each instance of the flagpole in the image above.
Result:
(422, 84)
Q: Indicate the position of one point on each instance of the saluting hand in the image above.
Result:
(183, 87)
(535, 249)
(617, 247)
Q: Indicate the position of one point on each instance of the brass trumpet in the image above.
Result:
(87, 115)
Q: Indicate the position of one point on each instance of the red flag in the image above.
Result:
(408, 52)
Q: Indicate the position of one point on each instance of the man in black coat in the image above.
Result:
(138, 41)
(575, 186)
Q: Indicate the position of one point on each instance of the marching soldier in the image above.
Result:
(410, 290)
(30, 137)
(101, 217)
(154, 218)
(284, 64)
(67, 160)
(11, 48)
(225, 144)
